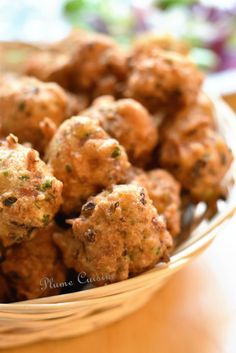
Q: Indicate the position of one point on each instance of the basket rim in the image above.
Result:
(177, 260)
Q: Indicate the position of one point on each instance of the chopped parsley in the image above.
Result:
(24, 177)
(47, 185)
(116, 152)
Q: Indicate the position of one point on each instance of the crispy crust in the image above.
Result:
(165, 80)
(118, 234)
(26, 102)
(86, 160)
(164, 191)
(29, 194)
(130, 123)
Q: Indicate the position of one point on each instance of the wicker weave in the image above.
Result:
(77, 313)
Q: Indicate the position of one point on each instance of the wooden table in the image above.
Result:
(194, 312)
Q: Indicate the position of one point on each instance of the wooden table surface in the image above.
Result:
(194, 312)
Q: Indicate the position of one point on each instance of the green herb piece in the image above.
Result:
(24, 177)
(45, 219)
(116, 152)
(46, 185)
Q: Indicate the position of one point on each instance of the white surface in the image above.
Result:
(221, 83)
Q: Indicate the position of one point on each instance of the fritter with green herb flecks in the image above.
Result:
(29, 194)
(118, 234)
(86, 160)
(197, 156)
(164, 191)
(34, 268)
(164, 81)
(129, 122)
(50, 67)
(27, 105)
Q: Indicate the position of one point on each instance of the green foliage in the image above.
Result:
(72, 6)
(165, 4)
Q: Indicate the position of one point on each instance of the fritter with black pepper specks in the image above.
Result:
(30, 195)
(197, 156)
(118, 234)
(164, 81)
(86, 160)
(27, 105)
(99, 66)
(164, 191)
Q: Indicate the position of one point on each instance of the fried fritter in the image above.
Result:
(165, 80)
(99, 66)
(128, 122)
(68, 44)
(200, 115)
(29, 194)
(164, 191)
(197, 156)
(50, 67)
(118, 234)
(34, 268)
(86, 160)
(149, 42)
(25, 103)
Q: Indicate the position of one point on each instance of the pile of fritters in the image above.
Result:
(98, 147)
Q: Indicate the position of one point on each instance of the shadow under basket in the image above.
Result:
(80, 312)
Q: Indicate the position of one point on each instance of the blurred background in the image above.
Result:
(209, 26)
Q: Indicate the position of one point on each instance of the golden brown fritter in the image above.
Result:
(188, 120)
(119, 233)
(25, 103)
(68, 44)
(197, 156)
(86, 160)
(128, 122)
(99, 66)
(29, 194)
(165, 80)
(164, 191)
(149, 42)
(50, 67)
(32, 267)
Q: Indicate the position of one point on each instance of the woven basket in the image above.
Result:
(77, 313)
